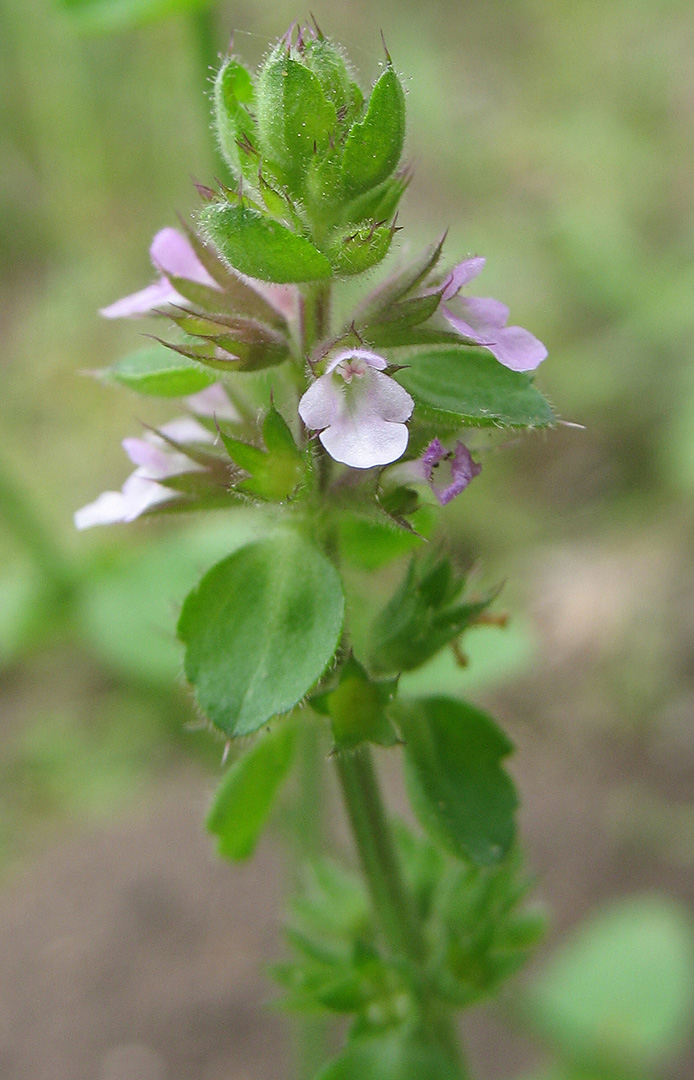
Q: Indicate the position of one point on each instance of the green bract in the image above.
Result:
(255, 244)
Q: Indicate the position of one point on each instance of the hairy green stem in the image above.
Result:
(393, 904)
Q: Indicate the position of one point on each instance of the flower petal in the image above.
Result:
(363, 440)
(144, 301)
(186, 429)
(107, 509)
(389, 399)
(140, 493)
(172, 253)
(462, 327)
(321, 404)
(460, 275)
(150, 456)
(371, 358)
(517, 349)
(212, 401)
(483, 313)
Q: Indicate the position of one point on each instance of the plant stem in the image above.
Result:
(393, 904)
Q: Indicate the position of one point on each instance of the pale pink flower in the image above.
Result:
(155, 460)
(359, 412)
(172, 254)
(483, 320)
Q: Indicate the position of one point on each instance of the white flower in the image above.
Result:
(359, 411)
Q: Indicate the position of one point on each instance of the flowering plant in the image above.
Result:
(331, 425)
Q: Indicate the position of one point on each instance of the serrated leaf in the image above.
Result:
(260, 630)
(260, 246)
(159, 372)
(458, 789)
(374, 145)
(390, 1057)
(244, 799)
(472, 387)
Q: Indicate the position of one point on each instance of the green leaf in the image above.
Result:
(234, 295)
(327, 62)
(244, 798)
(127, 613)
(160, 372)
(458, 790)
(374, 146)
(471, 387)
(225, 352)
(260, 629)
(261, 247)
(390, 1057)
(622, 990)
(420, 618)
(378, 204)
(276, 472)
(493, 659)
(232, 98)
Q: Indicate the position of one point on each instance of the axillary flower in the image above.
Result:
(359, 411)
(483, 320)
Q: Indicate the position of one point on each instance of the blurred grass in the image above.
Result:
(554, 138)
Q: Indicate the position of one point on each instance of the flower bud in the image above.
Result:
(296, 120)
(329, 65)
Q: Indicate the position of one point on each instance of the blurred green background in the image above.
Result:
(553, 137)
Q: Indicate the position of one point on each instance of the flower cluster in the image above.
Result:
(244, 289)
